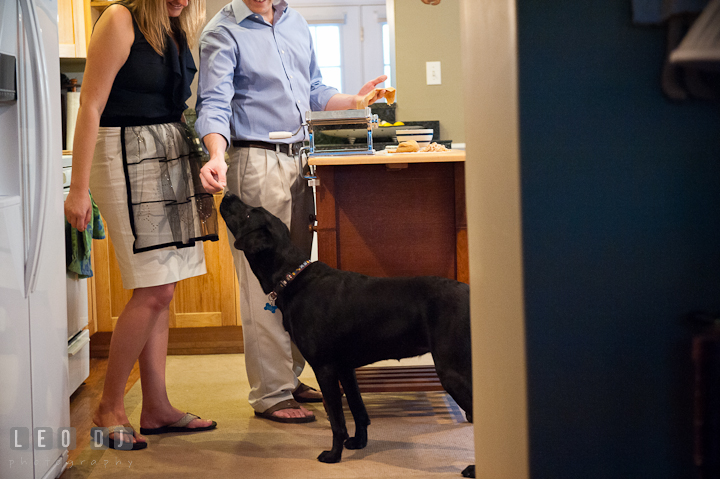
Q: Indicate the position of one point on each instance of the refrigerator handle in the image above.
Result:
(40, 82)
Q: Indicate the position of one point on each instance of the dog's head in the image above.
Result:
(263, 238)
(254, 229)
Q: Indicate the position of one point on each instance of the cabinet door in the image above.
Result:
(202, 301)
(71, 27)
(210, 299)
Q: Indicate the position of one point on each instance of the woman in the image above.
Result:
(144, 178)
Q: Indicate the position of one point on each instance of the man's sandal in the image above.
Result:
(178, 426)
(287, 404)
(305, 393)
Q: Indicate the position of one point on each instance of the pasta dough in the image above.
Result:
(408, 146)
(365, 101)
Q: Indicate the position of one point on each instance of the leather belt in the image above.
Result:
(290, 149)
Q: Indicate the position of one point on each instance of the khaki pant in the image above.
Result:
(274, 181)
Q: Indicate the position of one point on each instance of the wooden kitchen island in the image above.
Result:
(400, 214)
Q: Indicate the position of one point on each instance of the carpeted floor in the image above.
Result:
(413, 434)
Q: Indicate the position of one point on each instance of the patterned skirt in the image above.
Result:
(145, 180)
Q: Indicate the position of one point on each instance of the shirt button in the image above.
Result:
(291, 77)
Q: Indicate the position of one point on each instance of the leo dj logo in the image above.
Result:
(44, 439)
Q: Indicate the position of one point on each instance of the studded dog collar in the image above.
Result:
(270, 305)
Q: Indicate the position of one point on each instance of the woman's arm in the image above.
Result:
(109, 49)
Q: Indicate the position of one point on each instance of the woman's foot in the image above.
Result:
(158, 418)
(108, 418)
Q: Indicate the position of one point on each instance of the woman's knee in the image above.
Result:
(156, 297)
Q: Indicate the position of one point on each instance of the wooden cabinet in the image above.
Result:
(393, 215)
(207, 301)
(72, 16)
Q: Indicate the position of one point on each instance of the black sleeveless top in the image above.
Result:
(150, 88)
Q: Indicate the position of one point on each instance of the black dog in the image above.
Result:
(341, 320)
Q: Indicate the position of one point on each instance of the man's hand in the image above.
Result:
(212, 175)
(366, 96)
(371, 85)
(369, 93)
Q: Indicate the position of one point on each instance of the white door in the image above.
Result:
(348, 38)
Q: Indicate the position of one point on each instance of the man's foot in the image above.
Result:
(304, 393)
(288, 411)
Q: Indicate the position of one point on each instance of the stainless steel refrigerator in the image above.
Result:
(33, 315)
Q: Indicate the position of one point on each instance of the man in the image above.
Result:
(258, 74)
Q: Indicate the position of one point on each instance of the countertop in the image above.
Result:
(382, 158)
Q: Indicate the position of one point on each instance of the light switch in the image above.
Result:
(433, 73)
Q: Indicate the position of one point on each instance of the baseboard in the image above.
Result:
(210, 340)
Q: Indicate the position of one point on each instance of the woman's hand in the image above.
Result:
(78, 209)
(212, 175)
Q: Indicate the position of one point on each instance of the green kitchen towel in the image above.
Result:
(78, 244)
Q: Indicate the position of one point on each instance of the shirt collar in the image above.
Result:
(242, 11)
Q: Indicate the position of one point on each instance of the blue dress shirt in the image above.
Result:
(256, 78)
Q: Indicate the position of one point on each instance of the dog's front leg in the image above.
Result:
(332, 397)
(357, 407)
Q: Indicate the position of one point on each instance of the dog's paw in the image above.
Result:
(329, 457)
(469, 471)
(356, 443)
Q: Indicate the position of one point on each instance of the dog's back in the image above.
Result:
(356, 319)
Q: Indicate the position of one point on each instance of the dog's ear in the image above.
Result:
(255, 241)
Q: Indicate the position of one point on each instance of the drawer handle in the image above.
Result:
(77, 345)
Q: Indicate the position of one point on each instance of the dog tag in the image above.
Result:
(270, 307)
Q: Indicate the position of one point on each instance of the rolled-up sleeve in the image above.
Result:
(218, 58)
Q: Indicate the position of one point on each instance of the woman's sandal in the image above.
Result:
(178, 426)
(120, 445)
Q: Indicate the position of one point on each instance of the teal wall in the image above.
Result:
(621, 239)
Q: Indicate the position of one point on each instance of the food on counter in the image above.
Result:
(433, 147)
(387, 123)
(408, 146)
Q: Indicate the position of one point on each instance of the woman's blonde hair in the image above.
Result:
(155, 23)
